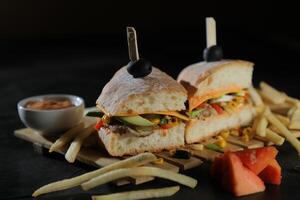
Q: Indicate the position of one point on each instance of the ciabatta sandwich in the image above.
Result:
(217, 96)
(141, 114)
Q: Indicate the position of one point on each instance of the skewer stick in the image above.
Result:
(132, 44)
(211, 36)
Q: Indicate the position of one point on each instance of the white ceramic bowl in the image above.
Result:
(51, 121)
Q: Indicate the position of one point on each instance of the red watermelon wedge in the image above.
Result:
(216, 168)
(272, 173)
(237, 178)
(257, 159)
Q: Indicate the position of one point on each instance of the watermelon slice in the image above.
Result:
(237, 178)
(272, 173)
(216, 168)
(257, 159)
(227, 179)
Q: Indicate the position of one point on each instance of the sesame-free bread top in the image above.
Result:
(124, 95)
(206, 80)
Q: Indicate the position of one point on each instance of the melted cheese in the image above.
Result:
(195, 101)
(171, 113)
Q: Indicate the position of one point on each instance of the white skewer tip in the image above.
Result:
(211, 36)
(132, 44)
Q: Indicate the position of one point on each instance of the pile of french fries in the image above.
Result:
(278, 116)
(75, 138)
(130, 167)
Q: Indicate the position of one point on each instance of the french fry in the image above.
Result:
(140, 194)
(134, 161)
(261, 127)
(77, 143)
(139, 171)
(274, 137)
(295, 125)
(283, 119)
(280, 108)
(66, 138)
(291, 112)
(271, 94)
(296, 133)
(255, 96)
(274, 128)
(293, 101)
(295, 119)
(262, 124)
(283, 130)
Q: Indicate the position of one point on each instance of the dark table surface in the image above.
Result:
(82, 68)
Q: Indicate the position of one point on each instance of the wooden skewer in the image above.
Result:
(211, 36)
(132, 44)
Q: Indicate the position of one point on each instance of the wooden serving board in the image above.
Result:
(87, 155)
(98, 157)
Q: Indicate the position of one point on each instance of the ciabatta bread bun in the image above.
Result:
(206, 80)
(124, 95)
(128, 144)
(198, 130)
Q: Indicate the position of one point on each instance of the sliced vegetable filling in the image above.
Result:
(216, 106)
(169, 119)
(138, 122)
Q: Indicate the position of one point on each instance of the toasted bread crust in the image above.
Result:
(206, 80)
(198, 130)
(128, 144)
(124, 95)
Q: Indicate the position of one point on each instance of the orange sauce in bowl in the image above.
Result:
(49, 104)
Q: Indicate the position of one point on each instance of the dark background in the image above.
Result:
(64, 35)
(76, 46)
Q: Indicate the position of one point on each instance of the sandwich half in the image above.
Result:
(141, 114)
(217, 96)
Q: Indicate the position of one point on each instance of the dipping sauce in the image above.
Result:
(49, 104)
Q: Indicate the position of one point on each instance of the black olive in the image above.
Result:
(213, 53)
(139, 68)
(182, 154)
